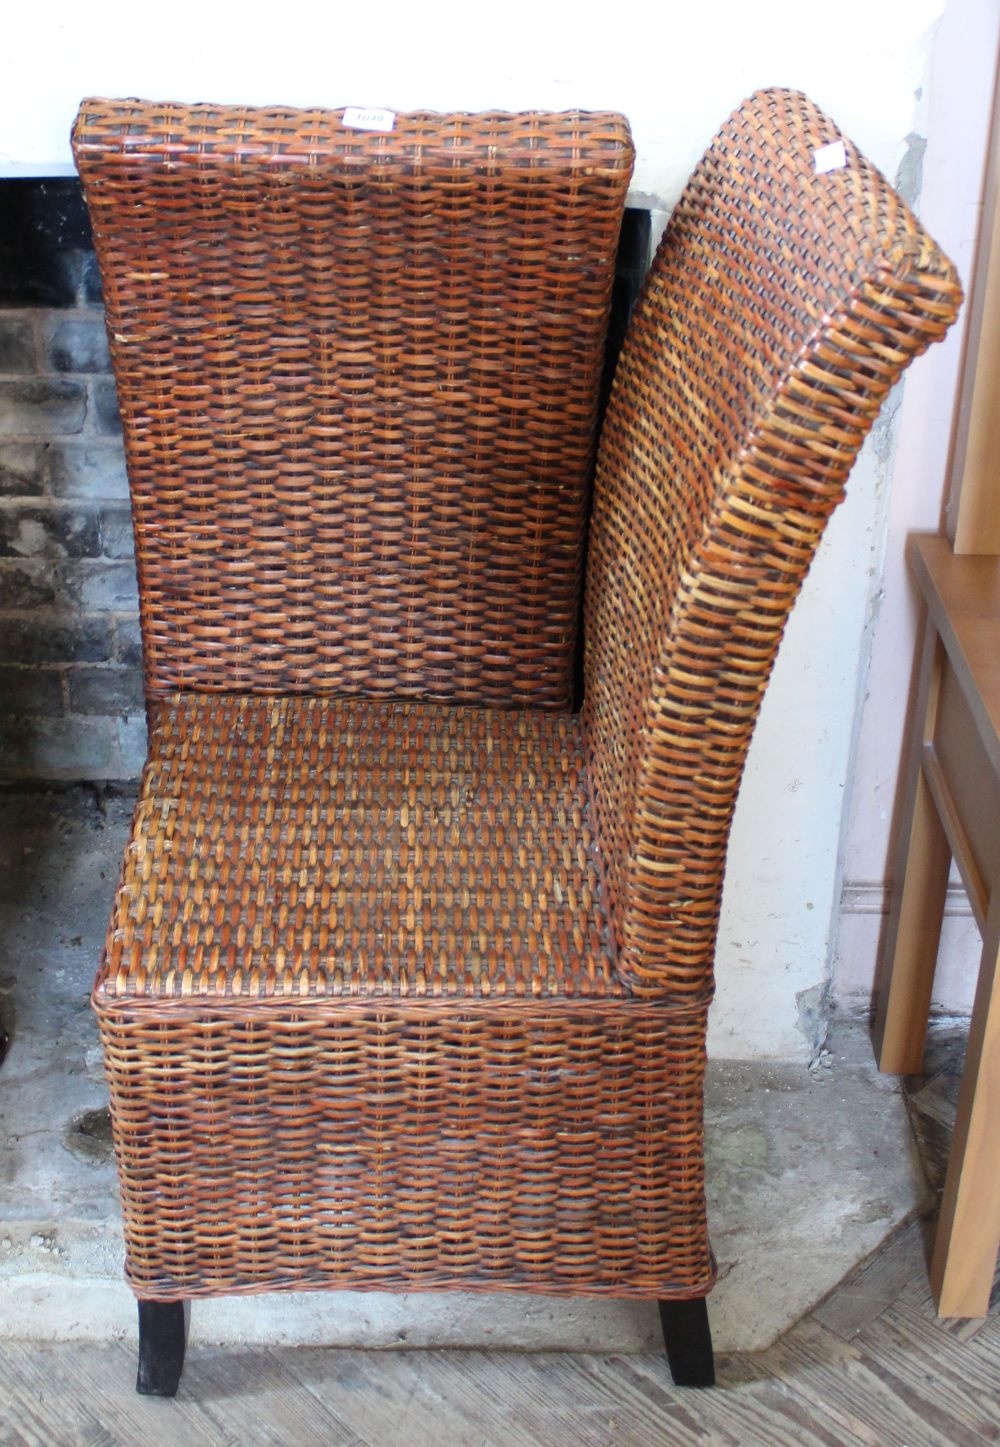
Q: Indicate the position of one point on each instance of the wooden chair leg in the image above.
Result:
(163, 1328)
(688, 1341)
(968, 1231)
(921, 861)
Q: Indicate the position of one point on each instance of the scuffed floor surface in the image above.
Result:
(870, 1368)
(809, 1170)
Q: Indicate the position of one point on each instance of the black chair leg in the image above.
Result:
(163, 1328)
(688, 1340)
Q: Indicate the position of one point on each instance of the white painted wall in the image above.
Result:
(957, 122)
(676, 71)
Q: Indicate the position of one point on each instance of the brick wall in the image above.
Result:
(70, 679)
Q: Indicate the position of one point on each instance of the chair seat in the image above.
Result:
(317, 847)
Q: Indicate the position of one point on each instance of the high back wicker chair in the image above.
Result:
(407, 978)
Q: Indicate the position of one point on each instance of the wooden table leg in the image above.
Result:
(968, 1232)
(922, 860)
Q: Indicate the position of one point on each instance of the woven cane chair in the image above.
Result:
(408, 972)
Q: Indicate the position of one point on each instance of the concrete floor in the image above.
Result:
(809, 1170)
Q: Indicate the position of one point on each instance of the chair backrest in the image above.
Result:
(358, 374)
(784, 302)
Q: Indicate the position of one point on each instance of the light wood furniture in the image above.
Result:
(952, 810)
(951, 804)
(972, 514)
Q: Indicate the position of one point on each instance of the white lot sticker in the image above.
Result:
(357, 119)
(830, 158)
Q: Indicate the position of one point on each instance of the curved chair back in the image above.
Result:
(784, 302)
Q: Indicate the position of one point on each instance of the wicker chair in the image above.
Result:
(407, 978)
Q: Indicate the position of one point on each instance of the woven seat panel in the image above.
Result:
(358, 376)
(302, 847)
(550, 1146)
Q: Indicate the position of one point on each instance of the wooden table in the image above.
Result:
(951, 809)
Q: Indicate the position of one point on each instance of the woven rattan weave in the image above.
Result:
(325, 848)
(358, 374)
(401, 991)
